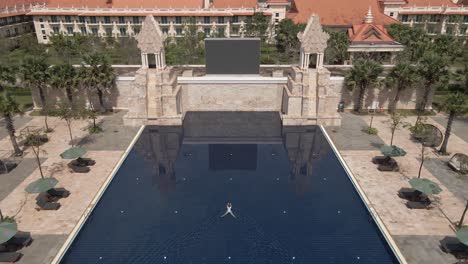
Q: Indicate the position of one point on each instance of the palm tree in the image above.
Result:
(7, 75)
(35, 75)
(97, 76)
(403, 76)
(64, 77)
(433, 70)
(8, 108)
(364, 73)
(455, 105)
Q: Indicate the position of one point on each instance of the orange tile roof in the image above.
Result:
(367, 33)
(429, 3)
(234, 3)
(337, 12)
(18, 3)
(127, 3)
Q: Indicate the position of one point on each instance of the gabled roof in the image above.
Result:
(126, 3)
(337, 12)
(368, 32)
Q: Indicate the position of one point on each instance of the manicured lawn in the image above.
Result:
(22, 96)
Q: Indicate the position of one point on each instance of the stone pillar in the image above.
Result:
(319, 60)
(392, 58)
(144, 60)
(304, 60)
(351, 57)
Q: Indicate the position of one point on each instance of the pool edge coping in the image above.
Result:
(90, 208)
(380, 224)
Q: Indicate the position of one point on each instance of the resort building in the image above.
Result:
(434, 16)
(14, 19)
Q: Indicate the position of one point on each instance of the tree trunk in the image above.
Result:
(11, 132)
(362, 90)
(427, 92)
(391, 139)
(70, 131)
(42, 96)
(1, 216)
(395, 101)
(422, 160)
(101, 101)
(448, 130)
(36, 153)
(460, 224)
(69, 95)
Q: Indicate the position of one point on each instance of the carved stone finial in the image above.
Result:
(150, 39)
(369, 18)
(313, 39)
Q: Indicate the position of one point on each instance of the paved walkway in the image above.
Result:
(417, 232)
(50, 228)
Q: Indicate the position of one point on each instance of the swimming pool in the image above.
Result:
(292, 199)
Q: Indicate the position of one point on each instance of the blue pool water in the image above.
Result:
(293, 201)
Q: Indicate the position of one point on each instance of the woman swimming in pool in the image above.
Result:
(228, 210)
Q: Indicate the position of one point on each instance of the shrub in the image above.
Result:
(370, 130)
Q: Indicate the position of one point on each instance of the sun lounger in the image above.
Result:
(59, 192)
(411, 194)
(10, 256)
(391, 166)
(418, 205)
(453, 246)
(85, 162)
(78, 169)
(43, 202)
(20, 239)
(380, 160)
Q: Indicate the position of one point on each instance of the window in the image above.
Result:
(123, 31)
(418, 18)
(53, 19)
(178, 31)
(40, 20)
(207, 31)
(163, 20)
(109, 32)
(165, 30)
(431, 29)
(8, 34)
(404, 18)
(69, 30)
(42, 25)
(94, 30)
(178, 20)
(449, 31)
(220, 32)
(136, 20)
(206, 20)
(16, 31)
(136, 30)
(391, 14)
(81, 19)
(93, 20)
(121, 20)
(453, 19)
(235, 19)
(221, 20)
(56, 30)
(463, 30)
(44, 37)
(43, 32)
(83, 30)
(107, 20)
(235, 30)
(277, 15)
(465, 19)
(67, 19)
(276, 20)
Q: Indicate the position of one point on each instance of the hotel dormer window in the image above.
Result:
(206, 20)
(54, 19)
(107, 20)
(136, 20)
(92, 20)
(67, 19)
(164, 20)
(81, 19)
(235, 19)
(121, 20)
(220, 20)
(178, 31)
(178, 20)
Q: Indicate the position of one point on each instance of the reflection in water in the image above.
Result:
(227, 135)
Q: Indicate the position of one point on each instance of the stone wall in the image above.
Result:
(408, 98)
(231, 97)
